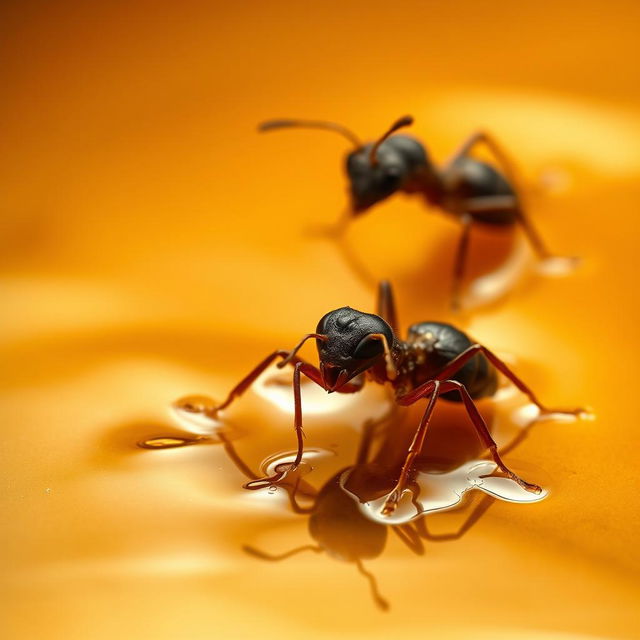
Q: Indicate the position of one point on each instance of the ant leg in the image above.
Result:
(248, 380)
(461, 260)
(333, 231)
(386, 307)
(242, 466)
(459, 361)
(267, 481)
(508, 166)
(435, 388)
(476, 419)
(432, 387)
(511, 203)
(485, 437)
(300, 366)
(287, 357)
(482, 137)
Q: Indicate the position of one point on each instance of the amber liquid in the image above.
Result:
(154, 246)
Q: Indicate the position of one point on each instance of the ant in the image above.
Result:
(471, 191)
(435, 360)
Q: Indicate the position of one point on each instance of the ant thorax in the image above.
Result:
(417, 360)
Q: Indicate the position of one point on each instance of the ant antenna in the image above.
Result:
(287, 360)
(312, 124)
(282, 556)
(405, 121)
(379, 600)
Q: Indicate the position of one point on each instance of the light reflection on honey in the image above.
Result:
(154, 246)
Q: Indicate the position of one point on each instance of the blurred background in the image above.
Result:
(154, 245)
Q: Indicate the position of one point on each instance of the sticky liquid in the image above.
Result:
(153, 247)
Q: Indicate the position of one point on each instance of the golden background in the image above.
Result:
(153, 245)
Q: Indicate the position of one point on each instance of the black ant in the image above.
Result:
(468, 189)
(435, 360)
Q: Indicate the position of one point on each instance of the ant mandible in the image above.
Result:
(472, 191)
(435, 360)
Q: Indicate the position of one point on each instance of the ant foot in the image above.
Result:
(391, 503)
(579, 412)
(263, 483)
(552, 265)
(269, 481)
(527, 486)
(213, 413)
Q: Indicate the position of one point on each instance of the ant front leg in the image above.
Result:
(333, 231)
(459, 361)
(313, 374)
(247, 381)
(461, 260)
(300, 366)
(286, 357)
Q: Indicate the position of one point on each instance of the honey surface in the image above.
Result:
(153, 245)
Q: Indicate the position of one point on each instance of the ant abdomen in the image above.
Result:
(443, 342)
(470, 178)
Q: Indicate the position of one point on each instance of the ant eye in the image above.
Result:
(392, 173)
(390, 179)
(368, 348)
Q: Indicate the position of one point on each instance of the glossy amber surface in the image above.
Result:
(154, 246)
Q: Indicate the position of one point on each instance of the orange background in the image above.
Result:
(154, 245)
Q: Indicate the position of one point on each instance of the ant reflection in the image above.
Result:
(337, 523)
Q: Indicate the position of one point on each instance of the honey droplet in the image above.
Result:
(169, 442)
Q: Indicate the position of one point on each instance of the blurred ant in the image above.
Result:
(435, 360)
(472, 191)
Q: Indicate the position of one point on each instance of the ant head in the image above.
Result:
(376, 170)
(380, 169)
(352, 343)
